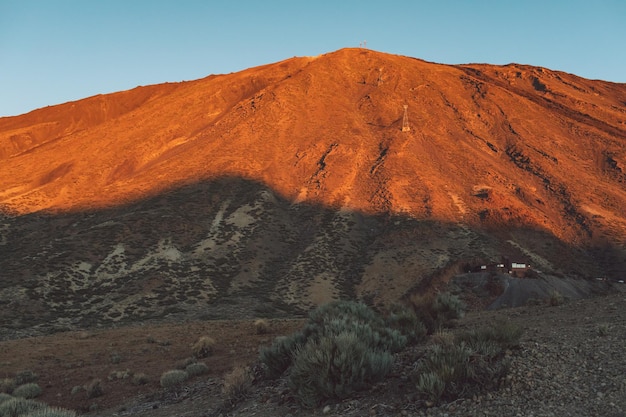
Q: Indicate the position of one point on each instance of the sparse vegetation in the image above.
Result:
(173, 378)
(123, 374)
(29, 390)
(184, 363)
(203, 347)
(556, 298)
(603, 329)
(94, 388)
(76, 389)
(115, 358)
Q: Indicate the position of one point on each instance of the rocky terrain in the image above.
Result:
(570, 363)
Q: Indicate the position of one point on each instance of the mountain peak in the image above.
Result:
(487, 144)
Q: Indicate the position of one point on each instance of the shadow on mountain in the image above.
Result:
(231, 248)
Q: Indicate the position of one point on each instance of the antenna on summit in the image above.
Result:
(405, 120)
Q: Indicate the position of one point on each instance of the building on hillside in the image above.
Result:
(493, 267)
(519, 270)
(516, 269)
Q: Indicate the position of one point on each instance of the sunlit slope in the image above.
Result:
(488, 145)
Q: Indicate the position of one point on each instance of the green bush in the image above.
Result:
(18, 407)
(403, 319)
(195, 369)
(278, 357)
(501, 336)
(348, 310)
(343, 347)
(474, 361)
(448, 307)
(4, 397)
(51, 412)
(29, 390)
(380, 338)
(174, 378)
(349, 316)
(335, 367)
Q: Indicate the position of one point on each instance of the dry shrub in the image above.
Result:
(125, 374)
(442, 337)
(140, 379)
(237, 383)
(7, 385)
(438, 312)
(261, 326)
(556, 298)
(203, 347)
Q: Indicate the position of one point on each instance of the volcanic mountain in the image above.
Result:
(351, 174)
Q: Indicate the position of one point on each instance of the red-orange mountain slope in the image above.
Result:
(488, 145)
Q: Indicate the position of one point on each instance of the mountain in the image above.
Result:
(282, 186)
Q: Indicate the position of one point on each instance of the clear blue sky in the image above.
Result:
(54, 51)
